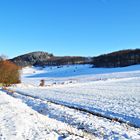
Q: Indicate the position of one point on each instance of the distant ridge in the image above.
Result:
(32, 58)
(118, 59)
(44, 58)
(115, 59)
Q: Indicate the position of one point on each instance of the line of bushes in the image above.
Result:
(9, 73)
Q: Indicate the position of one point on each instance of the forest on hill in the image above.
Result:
(115, 59)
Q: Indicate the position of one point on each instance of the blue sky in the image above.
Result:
(69, 27)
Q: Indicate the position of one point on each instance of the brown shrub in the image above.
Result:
(9, 73)
(42, 83)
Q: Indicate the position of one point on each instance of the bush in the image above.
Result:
(42, 83)
(9, 73)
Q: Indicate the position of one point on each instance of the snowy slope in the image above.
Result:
(74, 73)
(73, 70)
(119, 99)
(113, 92)
(96, 126)
(19, 122)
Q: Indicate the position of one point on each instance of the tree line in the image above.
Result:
(118, 59)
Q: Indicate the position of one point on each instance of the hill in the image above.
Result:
(44, 58)
(118, 59)
(115, 59)
(31, 58)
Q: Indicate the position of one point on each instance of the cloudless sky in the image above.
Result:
(68, 27)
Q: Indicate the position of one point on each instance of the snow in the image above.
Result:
(111, 92)
(19, 122)
(76, 73)
(115, 94)
(104, 129)
(73, 70)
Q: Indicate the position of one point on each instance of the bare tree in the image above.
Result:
(3, 57)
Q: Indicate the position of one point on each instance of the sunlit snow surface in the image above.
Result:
(20, 122)
(111, 91)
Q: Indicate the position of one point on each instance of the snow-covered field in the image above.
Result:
(114, 93)
(20, 122)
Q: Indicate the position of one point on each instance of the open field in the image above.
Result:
(113, 94)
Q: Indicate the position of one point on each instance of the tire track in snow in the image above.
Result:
(79, 109)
